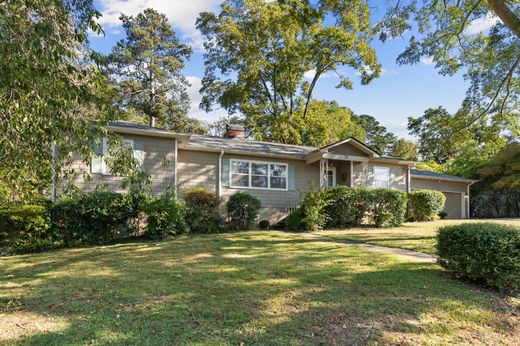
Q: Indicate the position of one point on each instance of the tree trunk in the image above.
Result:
(507, 16)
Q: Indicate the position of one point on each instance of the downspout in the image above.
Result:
(468, 211)
(408, 180)
(175, 169)
(219, 178)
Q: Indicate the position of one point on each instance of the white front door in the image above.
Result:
(331, 177)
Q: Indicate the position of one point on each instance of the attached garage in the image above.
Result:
(456, 190)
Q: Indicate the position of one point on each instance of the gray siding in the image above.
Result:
(159, 160)
(348, 149)
(361, 171)
(440, 185)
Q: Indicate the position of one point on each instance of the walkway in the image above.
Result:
(405, 254)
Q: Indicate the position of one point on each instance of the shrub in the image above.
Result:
(387, 207)
(484, 252)
(242, 209)
(425, 204)
(26, 227)
(348, 206)
(442, 215)
(96, 218)
(293, 221)
(313, 208)
(264, 224)
(165, 216)
(202, 211)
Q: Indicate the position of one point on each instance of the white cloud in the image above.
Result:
(193, 92)
(386, 72)
(182, 14)
(427, 60)
(311, 73)
(481, 24)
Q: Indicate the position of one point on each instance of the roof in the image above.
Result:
(141, 129)
(356, 143)
(241, 145)
(421, 173)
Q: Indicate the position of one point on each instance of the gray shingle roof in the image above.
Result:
(429, 174)
(246, 145)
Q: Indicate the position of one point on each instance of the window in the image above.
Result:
(331, 177)
(258, 175)
(381, 177)
(98, 163)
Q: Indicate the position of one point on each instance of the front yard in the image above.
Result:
(243, 288)
(415, 236)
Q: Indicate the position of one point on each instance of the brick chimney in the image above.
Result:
(235, 131)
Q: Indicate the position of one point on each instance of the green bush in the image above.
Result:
(293, 221)
(424, 205)
(26, 227)
(485, 252)
(348, 208)
(99, 217)
(313, 208)
(264, 224)
(387, 207)
(442, 215)
(202, 211)
(165, 216)
(242, 209)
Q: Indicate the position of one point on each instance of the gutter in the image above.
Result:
(220, 173)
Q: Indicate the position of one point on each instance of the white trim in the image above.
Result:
(346, 157)
(460, 180)
(220, 173)
(361, 146)
(176, 153)
(268, 163)
(386, 168)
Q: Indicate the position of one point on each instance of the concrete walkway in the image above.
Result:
(405, 254)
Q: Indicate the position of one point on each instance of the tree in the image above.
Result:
(148, 66)
(257, 53)
(49, 88)
(404, 149)
(377, 135)
(326, 122)
(447, 32)
(443, 143)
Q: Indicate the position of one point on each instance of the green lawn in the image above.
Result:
(242, 288)
(416, 236)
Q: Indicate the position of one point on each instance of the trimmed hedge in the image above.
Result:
(424, 205)
(342, 206)
(242, 209)
(486, 252)
(202, 211)
(165, 216)
(99, 217)
(26, 228)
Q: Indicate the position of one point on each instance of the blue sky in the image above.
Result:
(400, 92)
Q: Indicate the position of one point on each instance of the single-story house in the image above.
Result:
(278, 174)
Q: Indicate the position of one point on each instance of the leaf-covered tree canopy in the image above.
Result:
(258, 52)
(50, 86)
(147, 65)
(404, 149)
(447, 32)
(377, 136)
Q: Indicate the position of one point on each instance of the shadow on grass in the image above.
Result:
(239, 288)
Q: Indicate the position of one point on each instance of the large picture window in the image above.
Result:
(98, 163)
(381, 177)
(258, 175)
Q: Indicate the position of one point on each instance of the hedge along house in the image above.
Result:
(277, 174)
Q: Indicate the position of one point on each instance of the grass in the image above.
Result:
(415, 236)
(251, 288)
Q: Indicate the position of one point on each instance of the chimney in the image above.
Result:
(235, 131)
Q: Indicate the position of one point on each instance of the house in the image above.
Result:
(278, 174)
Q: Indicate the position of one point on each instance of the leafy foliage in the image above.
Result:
(387, 207)
(242, 209)
(258, 52)
(202, 211)
(404, 149)
(25, 226)
(99, 217)
(148, 66)
(485, 252)
(165, 216)
(446, 33)
(349, 206)
(264, 224)
(424, 205)
(50, 86)
(377, 136)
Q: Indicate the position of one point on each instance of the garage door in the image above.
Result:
(453, 205)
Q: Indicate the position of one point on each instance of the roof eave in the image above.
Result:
(151, 133)
(457, 180)
(245, 152)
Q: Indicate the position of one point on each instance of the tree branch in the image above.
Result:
(507, 16)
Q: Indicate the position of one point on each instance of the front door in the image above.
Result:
(331, 177)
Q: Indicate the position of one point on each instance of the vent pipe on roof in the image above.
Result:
(235, 131)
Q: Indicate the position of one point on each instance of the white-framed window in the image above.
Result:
(331, 177)
(381, 177)
(98, 163)
(258, 175)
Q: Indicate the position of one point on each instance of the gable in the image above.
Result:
(348, 149)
